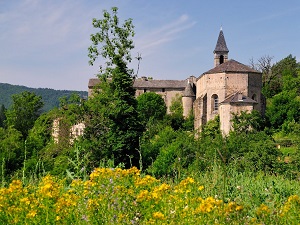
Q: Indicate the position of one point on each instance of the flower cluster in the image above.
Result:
(120, 196)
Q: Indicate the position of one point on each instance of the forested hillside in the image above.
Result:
(50, 97)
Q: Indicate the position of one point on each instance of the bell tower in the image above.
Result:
(221, 50)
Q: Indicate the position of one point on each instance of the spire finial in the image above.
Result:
(221, 28)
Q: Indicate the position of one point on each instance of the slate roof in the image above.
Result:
(231, 66)
(188, 91)
(141, 83)
(221, 43)
(93, 82)
(235, 99)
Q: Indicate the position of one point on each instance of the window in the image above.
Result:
(214, 102)
(221, 59)
(163, 90)
(254, 97)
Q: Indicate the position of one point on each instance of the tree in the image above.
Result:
(247, 122)
(283, 107)
(273, 83)
(26, 108)
(2, 115)
(151, 106)
(11, 150)
(112, 125)
(176, 113)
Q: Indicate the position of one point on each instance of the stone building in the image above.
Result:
(229, 87)
(168, 89)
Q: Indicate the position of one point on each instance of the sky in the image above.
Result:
(43, 43)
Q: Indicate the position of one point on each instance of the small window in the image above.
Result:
(145, 90)
(254, 97)
(163, 90)
(215, 102)
(221, 59)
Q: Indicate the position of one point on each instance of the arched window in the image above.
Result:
(221, 59)
(214, 102)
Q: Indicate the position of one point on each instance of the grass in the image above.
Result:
(119, 196)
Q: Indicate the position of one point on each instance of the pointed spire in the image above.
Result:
(221, 43)
(188, 91)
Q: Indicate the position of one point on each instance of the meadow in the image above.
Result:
(125, 196)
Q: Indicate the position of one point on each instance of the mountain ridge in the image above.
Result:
(50, 97)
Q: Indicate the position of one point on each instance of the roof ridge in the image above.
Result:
(231, 66)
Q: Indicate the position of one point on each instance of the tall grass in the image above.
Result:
(120, 196)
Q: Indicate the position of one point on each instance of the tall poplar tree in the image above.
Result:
(113, 128)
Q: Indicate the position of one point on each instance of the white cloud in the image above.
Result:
(162, 35)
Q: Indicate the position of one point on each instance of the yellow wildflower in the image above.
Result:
(143, 195)
(31, 214)
(200, 188)
(187, 181)
(158, 216)
(262, 209)
(25, 200)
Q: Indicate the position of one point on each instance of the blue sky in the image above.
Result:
(43, 43)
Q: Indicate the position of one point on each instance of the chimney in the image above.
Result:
(240, 96)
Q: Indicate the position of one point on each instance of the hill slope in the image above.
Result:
(50, 97)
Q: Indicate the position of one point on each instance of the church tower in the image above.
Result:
(221, 50)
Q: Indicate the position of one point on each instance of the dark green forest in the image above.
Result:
(50, 96)
(124, 131)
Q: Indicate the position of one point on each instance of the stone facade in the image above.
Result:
(229, 87)
(168, 89)
(75, 131)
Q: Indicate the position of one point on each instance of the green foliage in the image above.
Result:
(211, 129)
(188, 123)
(274, 83)
(112, 125)
(40, 134)
(25, 110)
(115, 40)
(211, 147)
(50, 96)
(176, 105)
(176, 113)
(11, 150)
(39, 139)
(255, 151)
(151, 106)
(283, 107)
(174, 151)
(118, 196)
(2, 115)
(247, 122)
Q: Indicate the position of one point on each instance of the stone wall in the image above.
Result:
(226, 111)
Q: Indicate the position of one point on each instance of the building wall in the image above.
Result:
(236, 82)
(215, 86)
(187, 105)
(226, 111)
(255, 86)
(224, 85)
(168, 94)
